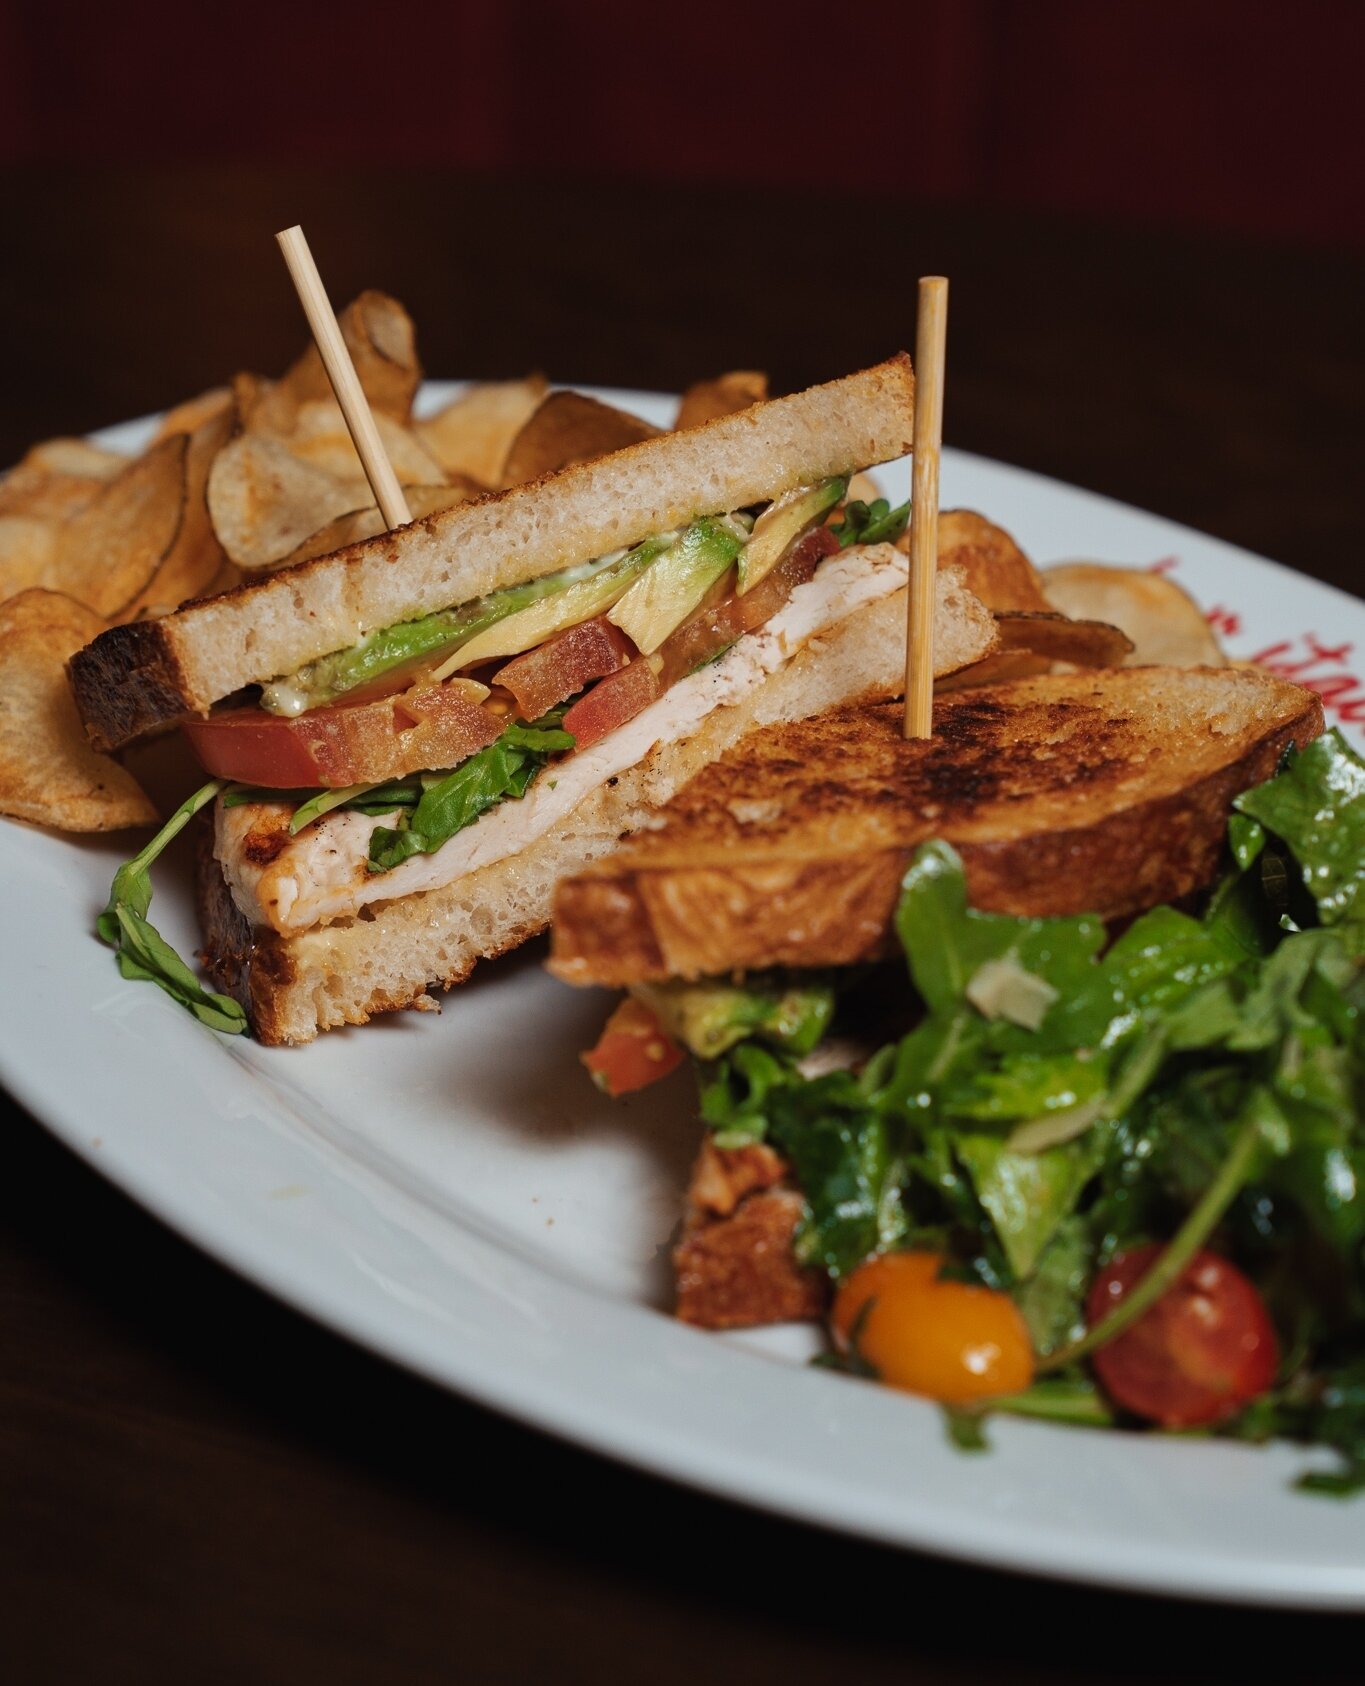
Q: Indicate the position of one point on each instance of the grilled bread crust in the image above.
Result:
(1096, 793)
(136, 677)
(346, 972)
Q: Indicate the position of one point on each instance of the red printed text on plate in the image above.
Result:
(1320, 667)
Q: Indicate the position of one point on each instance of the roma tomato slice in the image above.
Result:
(1203, 1351)
(428, 727)
(555, 670)
(612, 702)
(632, 1052)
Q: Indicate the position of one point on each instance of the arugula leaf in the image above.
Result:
(1028, 1194)
(505, 768)
(238, 795)
(323, 802)
(947, 943)
(1053, 1299)
(1026, 1086)
(142, 952)
(1316, 804)
(841, 1150)
(1336, 1418)
(735, 1102)
(874, 523)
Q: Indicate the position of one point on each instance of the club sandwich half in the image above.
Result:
(753, 914)
(421, 734)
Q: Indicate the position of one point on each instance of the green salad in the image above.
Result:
(1137, 1161)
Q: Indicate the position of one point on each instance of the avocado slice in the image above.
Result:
(709, 1018)
(543, 619)
(448, 630)
(781, 524)
(678, 581)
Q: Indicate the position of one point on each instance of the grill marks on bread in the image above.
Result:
(1064, 794)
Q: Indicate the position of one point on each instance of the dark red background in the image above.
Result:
(1211, 113)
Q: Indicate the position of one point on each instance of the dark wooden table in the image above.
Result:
(197, 1484)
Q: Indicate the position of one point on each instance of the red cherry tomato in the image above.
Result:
(951, 1341)
(632, 1052)
(428, 726)
(1202, 1352)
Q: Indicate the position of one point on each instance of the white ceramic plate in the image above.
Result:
(452, 1193)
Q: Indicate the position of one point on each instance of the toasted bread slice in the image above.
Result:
(1103, 793)
(135, 677)
(733, 1264)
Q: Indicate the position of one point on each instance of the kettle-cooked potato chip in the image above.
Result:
(1061, 639)
(48, 772)
(196, 558)
(109, 553)
(368, 523)
(1166, 625)
(997, 570)
(79, 457)
(382, 341)
(264, 501)
(474, 432)
(994, 669)
(58, 477)
(194, 412)
(706, 401)
(570, 427)
(28, 549)
(320, 436)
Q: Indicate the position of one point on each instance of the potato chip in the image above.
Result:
(81, 458)
(997, 570)
(473, 434)
(194, 412)
(368, 523)
(708, 400)
(48, 772)
(28, 549)
(1061, 639)
(109, 553)
(570, 427)
(320, 436)
(196, 557)
(44, 496)
(59, 477)
(1166, 625)
(383, 345)
(249, 395)
(994, 669)
(264, 501)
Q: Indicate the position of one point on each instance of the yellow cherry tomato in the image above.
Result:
(951, 1341)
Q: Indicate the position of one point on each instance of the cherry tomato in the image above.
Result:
(952, 1341)
(430, 726)
(1203, 1351)
(632, 1052)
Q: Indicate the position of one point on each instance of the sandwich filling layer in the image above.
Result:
(324, 871)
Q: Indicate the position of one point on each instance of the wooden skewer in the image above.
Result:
(388, 494)
(931, 330)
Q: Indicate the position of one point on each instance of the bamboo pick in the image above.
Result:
(931, 330)
(355, 407)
